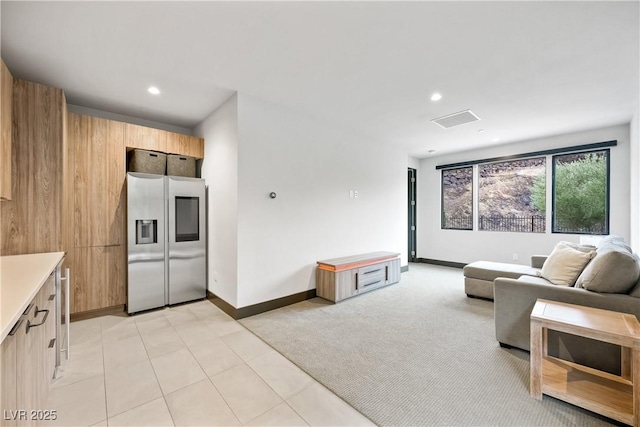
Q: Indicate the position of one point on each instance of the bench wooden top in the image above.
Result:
(348, 262)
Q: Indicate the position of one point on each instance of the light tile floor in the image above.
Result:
(190, 365)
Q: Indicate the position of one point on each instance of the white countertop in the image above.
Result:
(21, 277)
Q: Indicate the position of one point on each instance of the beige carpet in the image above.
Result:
(416, 353)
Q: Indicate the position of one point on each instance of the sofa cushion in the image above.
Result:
(535, 280)
(615, 269)
(565, 264)
(635, 291)
(614, 241)
(488, 270)
(579, 247)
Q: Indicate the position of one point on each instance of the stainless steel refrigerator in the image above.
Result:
(166, 240)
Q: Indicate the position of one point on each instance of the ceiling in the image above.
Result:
(527, 69)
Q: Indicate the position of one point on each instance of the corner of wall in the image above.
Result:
(220, 171)
(634, 196)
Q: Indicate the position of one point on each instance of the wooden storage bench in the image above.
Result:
(340, 278)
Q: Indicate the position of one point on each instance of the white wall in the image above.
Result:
(220, 170)
(469, 246)
(311, 167)
(413, 163)
(634, 196)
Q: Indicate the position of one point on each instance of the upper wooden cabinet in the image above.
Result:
(145, 138)
(185, 145)
(32, 220)
(6, 96)
(98, 180)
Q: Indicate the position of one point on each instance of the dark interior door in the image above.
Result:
(412, 213)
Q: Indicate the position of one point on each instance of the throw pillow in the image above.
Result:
(615, 269)
(581, 248)
(564, 264)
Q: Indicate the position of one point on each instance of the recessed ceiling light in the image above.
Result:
(480, 130)
(431, 151)
(436, 97)
(154, 90)
(496, 139)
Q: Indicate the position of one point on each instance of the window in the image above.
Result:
(457, 198)
(507, 196)
(581, 193)
(513, 192)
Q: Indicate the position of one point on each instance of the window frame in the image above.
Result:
(607, 193)
(479, 185)
(442, 206)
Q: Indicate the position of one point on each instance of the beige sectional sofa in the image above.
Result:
(609, 280)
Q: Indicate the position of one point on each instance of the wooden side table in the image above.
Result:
(616, 397)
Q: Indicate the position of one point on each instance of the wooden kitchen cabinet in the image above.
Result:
(97, 160)
(8, 377)
(6, 96)
(97, 190)
(145, 138)
(99, 278)
(185, 145)
(28, 361)
(32, 219)
(98, 180)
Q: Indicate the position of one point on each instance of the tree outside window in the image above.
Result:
(580, 193)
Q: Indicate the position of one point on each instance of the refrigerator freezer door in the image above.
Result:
(146, 241)
(187, 239)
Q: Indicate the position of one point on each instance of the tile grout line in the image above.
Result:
(104, 376)
(155, 374)
(246, 362)
(211, 380)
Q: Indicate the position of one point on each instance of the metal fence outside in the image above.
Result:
(526, 224)
(457, 222)
(598, 229)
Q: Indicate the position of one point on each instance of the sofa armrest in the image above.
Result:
(538, 260)
(514, 300)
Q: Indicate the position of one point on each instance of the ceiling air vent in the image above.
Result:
(456, 119)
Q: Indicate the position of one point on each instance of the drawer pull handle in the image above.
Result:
(15, 328)
(52, 342)
(356, 281)
(44, 319)
(374, 283)
(52, 297)
(372, 271)
(27, 310)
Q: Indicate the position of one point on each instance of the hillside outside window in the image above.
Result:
(457, 199)
(506, 196)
